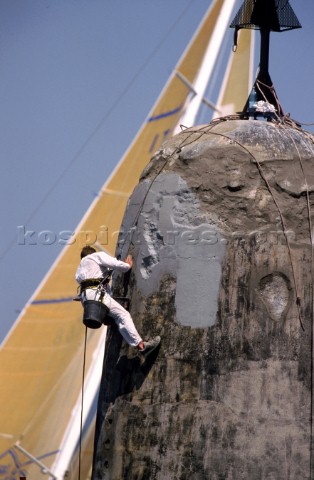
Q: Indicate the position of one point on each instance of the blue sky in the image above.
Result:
(78, 78)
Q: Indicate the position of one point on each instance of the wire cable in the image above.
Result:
(207, 129)
(259, 167)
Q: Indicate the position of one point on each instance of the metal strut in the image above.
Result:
(45, 470)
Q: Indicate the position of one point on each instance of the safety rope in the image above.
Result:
(82, 406)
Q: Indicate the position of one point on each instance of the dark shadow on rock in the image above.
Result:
(134, 371)
(126, 281)
(121, 375)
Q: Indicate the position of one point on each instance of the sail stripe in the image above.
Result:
(52, 300)
(165, 114)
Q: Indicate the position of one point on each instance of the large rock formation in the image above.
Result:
(219, 229)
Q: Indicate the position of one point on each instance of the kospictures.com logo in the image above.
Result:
(64, 237)
(186, 236)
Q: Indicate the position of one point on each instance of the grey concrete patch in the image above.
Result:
(174, 238)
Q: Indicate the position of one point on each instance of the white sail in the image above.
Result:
(205, 72)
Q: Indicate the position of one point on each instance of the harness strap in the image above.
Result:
(100, 283)
(90, 282)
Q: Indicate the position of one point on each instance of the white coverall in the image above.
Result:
(94, 266)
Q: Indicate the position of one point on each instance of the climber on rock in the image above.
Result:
(93, 270)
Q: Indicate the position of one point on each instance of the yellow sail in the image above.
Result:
(237, 81)
(41, 358)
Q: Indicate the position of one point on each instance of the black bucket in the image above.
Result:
(95, 314)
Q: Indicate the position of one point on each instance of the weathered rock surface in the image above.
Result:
(223, 272)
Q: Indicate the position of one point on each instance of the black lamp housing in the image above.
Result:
(266, 16)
